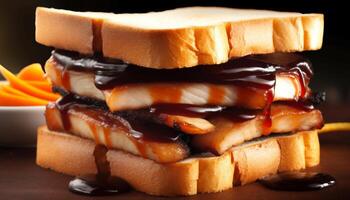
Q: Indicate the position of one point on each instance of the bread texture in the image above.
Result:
(73, 155)
(183, 37)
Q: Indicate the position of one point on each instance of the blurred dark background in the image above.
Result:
(331, 64)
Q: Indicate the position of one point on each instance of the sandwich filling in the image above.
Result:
(168, 114)
(250, 82)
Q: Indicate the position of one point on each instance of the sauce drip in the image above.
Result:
(267, 112)
(102, 183)
(298, 181)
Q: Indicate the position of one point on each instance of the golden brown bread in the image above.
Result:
(74, 156)
(183, 37)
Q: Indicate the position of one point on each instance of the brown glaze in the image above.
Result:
(171, 93)
(93, 129)
(267, 112)
(53, 123)
(216, 95)
(107, 136)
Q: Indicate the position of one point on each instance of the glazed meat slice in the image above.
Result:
(152, 141)
(187, 124)
(136, 96)
(229, 133)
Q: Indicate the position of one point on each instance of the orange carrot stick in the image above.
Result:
(43, 85)
(25, 87)
(7, 99)
(10, 90)
(33, 72)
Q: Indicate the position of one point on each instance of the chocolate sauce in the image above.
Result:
(298, 181)
(102, 183)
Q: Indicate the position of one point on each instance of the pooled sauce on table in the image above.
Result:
(102, 183)
(298, 181)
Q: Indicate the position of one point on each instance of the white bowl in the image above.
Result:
(19, 124)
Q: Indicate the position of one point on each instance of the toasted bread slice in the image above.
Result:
(73, 155)
(182, 37)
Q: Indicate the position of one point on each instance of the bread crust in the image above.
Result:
(235, 34)
(73, 155)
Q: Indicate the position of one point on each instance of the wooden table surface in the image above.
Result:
(20, 178)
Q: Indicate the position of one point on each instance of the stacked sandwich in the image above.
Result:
(184, 101)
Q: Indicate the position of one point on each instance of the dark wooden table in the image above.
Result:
(20, 178)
